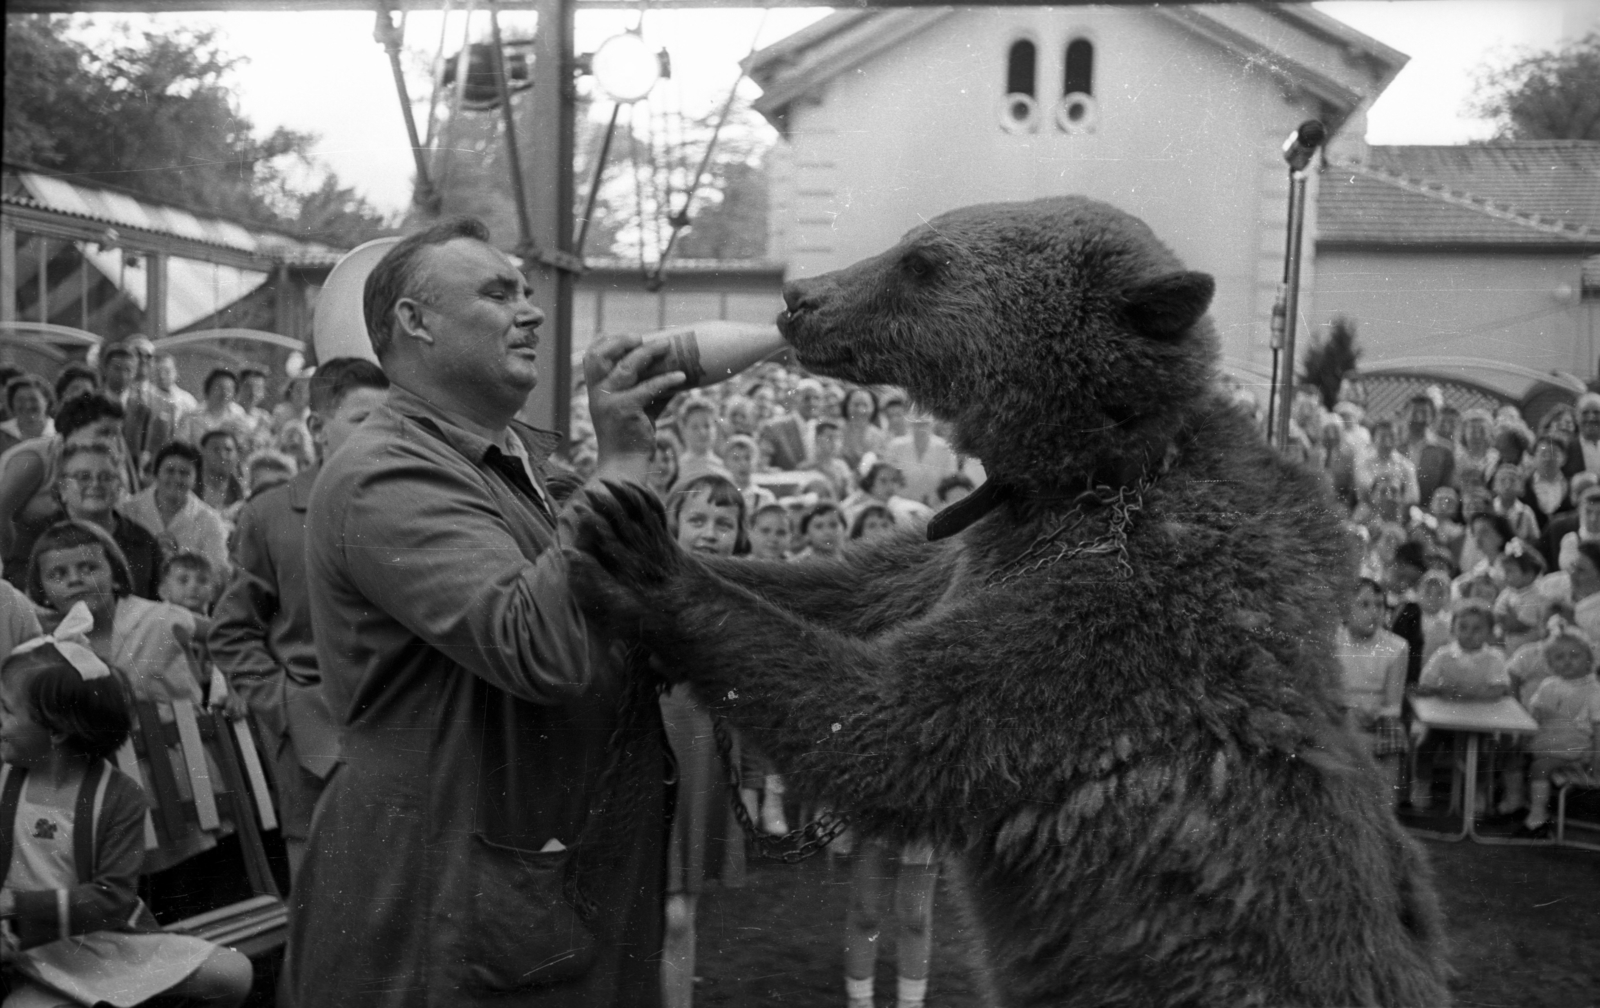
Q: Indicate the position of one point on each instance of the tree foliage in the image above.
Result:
(1328, 359)
(1551, 95)
(153, 113)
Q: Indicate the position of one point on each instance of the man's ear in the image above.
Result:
(1168, 305)
(411, 320)
(315, 427)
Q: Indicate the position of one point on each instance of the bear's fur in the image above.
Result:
(1128, 746)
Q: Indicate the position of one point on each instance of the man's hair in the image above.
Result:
(71, 534)
(1412, 554)
(71, 373)
(341, 376)
(779, 509)
(217, 374)
(188, 561)
(82, 410)
(251, 371)
(188, 452)
(112, 352)
(211, 435)
(397, 274)
(832, 425)
(270, 460)
(29, 381)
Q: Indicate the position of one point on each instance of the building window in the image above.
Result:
(1080, 68)
(1020, 64)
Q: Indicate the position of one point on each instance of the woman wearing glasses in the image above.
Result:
(89, 487)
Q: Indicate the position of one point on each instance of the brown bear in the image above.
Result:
(1104, 685)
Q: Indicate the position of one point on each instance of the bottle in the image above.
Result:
(713, 351)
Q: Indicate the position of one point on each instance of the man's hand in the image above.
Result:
(618, 399)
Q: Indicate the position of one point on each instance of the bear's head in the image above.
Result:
(1057, 336)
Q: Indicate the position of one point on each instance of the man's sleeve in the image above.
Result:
(244, 613)
(427, 545)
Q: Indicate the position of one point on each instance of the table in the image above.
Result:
(1472, 718)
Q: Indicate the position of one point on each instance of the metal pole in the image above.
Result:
(594, 186)
(387, 34)
(518, 193)
(1291, 303)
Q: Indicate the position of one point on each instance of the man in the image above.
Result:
(1589, 430)
(791, 437)
(143, 428)
(499, 766)
(1385, 461)
(1433, 456)
(253, 401)
(164, 383)
(923, 458)
(261, 636)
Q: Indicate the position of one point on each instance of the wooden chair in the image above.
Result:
(202, 770)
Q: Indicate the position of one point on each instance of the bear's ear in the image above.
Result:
(1170, 304)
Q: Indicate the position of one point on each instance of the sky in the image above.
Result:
(323, 73)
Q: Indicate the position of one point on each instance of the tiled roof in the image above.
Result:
(1556, 179)
(111, 206)
(1475, 203)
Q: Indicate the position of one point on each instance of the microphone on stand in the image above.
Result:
(1303, 143)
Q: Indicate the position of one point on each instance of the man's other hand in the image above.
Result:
(618, 400)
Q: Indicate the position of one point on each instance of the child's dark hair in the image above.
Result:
(720, 492)
(858, 527)
(188, 561)
(766, 509)
(820, 509)
(1367, 584)
(72, 534)
(92, 715)
(950, 482)
(1520, 553)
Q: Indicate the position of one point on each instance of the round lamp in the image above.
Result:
(625, 68)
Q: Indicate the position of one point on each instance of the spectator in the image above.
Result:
(19, 620)
(1449, 424)
(739, 454)
(1508, 488)
(1567, 708)
(1562, 421)
(822, 530)
(697, 421)
(881, 485)
(770, 532)
(1490, 533)
(1520, 609)
(663, 465)
(167, 394)
(480, 716)
(27, 399)
(738, 420)
(1564, 522)
(1546, 492)
(289, 432)
(1476, 456)
(1448, 531)
(180, 521)
(826, 462)
(765, 400)
(791, 437)
(252, 399)
(1512, 438)
(188, 581)
(892, 414)
(75, 380)
(7, 373)
(1467, 668)
(1589, 430)
(142, 428)
(77, 562)
(1386, 461)
(872, 521)
(1585, 590)
(1431, 455)
(1406, 570)
(261, 639)
(1588, 529)
(220, 487)
(1336, 460)
(220, 412)
(29, 473)
(90, 487)
(923, 458)
(1433, 597)
(861, 436)
(1372, 664)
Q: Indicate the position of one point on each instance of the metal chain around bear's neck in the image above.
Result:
(794, 846)
(1050, 549)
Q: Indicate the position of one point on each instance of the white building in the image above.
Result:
(1176, 114)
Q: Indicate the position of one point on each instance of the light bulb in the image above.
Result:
(625, 68)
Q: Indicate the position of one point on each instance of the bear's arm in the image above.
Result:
(874, 587)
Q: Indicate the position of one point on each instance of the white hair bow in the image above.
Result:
(71, 638)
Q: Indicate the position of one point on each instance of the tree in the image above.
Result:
(1546, 96)
(1328, 360)
(153, 113)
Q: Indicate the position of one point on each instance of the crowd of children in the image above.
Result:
(1480, 559)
